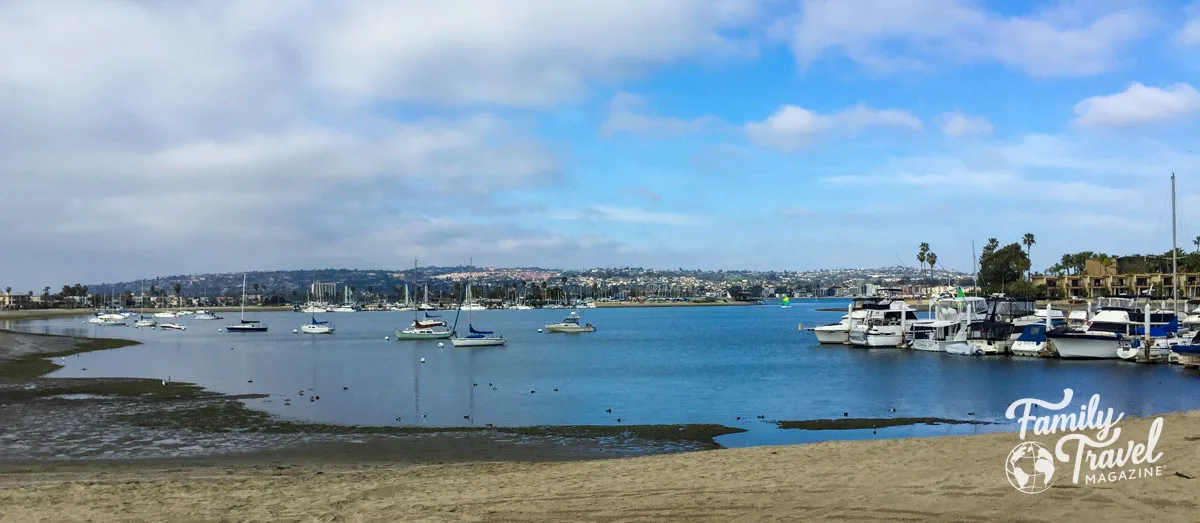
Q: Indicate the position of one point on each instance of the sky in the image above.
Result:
(143, 138)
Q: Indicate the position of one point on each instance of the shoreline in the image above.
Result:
(950, 478)
(623, 304)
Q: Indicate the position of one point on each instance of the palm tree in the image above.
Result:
(931, 258)
(923, 254)
(1196, 242)
(1029, 242)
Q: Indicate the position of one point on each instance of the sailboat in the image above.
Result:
(317, 327)
(143, 321)
(347, 304)
(246, 325)
(469, 302)
(427, 328)
(787, 303)
(425, 306)
(476, 338)
(407, 306)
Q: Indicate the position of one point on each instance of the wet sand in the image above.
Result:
(922, 479)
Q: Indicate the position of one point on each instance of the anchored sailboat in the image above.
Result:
(476, 338)
(246, 325)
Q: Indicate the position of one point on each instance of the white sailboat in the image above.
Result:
(469, 301)
(428, 328)
(143, 322)
(246, 325)
(316, 327)
(408, 305)
(475, 338)
(425, 306)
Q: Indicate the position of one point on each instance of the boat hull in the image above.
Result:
(832, 336)
(423, 335)
(990, 346)
(479, 342)
(930, 345)
(1083, 346)
(172, 326)
(316, 329)
(1027, 348)
(569, 329)
(963, 348)
(246, 328)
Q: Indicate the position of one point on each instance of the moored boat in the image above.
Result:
(570, 324)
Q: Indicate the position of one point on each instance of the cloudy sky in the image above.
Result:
(148, 137)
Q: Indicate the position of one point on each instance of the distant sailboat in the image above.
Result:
(425, 329)
(246, 325)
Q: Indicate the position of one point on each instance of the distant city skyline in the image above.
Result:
(185, 137)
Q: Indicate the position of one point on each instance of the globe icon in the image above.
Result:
(1030, 467)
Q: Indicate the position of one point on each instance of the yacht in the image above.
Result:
(570, 324)
(839, 333)
(314, 307)
(205, 315)
(883, 328)
(145, 323)
(1115, 319)
(999, 329)
(425, 329)
(172, 326)
(1188, 352)
(1191, 322)
(950, 325)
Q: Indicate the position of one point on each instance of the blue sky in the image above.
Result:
(187, 137)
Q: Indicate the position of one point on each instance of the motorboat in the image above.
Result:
(145, 323)
(1031, 341)
(173, 326)
(883, 328)
(1134, 348)
(839, 333)
(999, 329)
(245, 325)
(344, 308)
(952, 320)
(1188, 352)
(472, 307)
(570, 324)
(1115, 319)
(425, 329)
(166, 314)
(113, 322)
(313, 308)
(205, 315)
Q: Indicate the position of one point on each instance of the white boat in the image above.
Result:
(173, 326)
(839, 333)
(424, 305)
(472, 307)
(1031, 342)
(112, 321)
(95, 320)
(1134, 349)
(950, 325)
(570, 325)
(883, 328)
(317, 327)
(205, 315)
(1115, 319)
(1006, 317)
(184, 313)
(407, 306)
(246, 325)
(475, 338)
(165, 314)
(313, 308)
(521, 307)
(343, 308)
(145, 323)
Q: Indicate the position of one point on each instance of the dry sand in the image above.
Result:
(923, 479)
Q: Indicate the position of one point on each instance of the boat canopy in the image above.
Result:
(1034, 333)
(473, 331)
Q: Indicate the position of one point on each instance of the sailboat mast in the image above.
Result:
(1174, 253)
(243, 314)
(406, 291)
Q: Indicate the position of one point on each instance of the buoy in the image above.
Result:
(422, 360)
(386, 338)
(800, 326)
(219, 330)
(294, 331)
(539, 330)
(440, 345)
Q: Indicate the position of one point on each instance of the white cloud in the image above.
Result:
(792, 127)
(890, 35)
(1138, 105)
(608, 213)
(249, 128)
(1189, 34)
(959, 124)
(625, 115)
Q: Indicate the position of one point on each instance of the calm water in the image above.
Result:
(649, 365)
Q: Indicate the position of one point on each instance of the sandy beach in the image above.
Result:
(924, 479)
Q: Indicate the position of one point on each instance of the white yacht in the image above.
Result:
(883, 328)
(145, 323)
(165, 314)
(172, 326)
(1000, 328)
(1115, 319)
(839, 333)
(950, 325)
(570, 324)
(205, 315)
